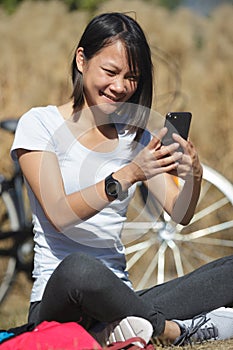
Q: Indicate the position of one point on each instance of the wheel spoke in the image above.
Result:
(161, 262)
(186, 261)
(143, 225)
(134, 259)
(200, 255)
(205, 232)
(138, 246)
(147, 274)
(215, 241)
(205, 188)
(177, 257)
(210, 209)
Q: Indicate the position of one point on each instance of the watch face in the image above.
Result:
(113, 188)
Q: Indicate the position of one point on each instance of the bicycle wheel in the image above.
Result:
(8, 222)
(165, 250)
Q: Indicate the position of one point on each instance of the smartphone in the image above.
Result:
(179, 123)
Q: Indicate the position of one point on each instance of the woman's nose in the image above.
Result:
(119, 84)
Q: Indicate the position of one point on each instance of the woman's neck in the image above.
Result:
(93, 130)
(66, 110)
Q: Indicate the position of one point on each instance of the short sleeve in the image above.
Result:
(33, 132)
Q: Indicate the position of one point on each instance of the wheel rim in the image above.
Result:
(166, 250)
(8, 221)
(7, 274)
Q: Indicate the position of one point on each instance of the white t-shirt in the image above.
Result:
(44, 129)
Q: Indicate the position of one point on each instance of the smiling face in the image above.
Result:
(107, 78)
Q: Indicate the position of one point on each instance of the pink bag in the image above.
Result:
(65, 336)
(53, 336)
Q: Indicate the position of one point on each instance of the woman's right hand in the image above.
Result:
(156, 159)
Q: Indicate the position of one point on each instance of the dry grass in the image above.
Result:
(36, 51)
(14, 312)
(38, 42)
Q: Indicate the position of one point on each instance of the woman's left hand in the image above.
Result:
(189, 164)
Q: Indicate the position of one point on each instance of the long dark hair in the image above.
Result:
(102, 31)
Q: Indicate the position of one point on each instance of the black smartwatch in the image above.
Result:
(113, 188)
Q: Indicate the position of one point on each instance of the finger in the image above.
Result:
(155, 143)
(166, 151)
(170, 168)
(183, 143)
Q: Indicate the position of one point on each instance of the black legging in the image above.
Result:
(84, 290)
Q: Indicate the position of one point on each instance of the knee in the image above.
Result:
(78, 257)
(80, 266)
(77, 263)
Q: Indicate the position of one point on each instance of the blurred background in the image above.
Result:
(192, 47)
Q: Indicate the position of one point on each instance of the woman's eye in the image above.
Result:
(109, 72)
(133, 78)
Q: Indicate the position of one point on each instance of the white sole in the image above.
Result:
(130, 327)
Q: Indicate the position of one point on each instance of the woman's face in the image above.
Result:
(107, 77)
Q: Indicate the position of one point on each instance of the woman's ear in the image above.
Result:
(80, 59)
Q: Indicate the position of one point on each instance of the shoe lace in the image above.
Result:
(196, 332)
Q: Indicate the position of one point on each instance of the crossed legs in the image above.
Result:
(84, 290)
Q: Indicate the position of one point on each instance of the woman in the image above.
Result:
(81, 162)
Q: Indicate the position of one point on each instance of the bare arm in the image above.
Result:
(190, 170)
(180, 203)
(41, 169)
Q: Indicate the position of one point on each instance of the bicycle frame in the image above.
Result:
(15, 190)
(14, 186)
(16, 249)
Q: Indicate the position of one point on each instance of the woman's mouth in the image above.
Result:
(112, 98)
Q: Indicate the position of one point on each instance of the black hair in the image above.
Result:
(102, 31)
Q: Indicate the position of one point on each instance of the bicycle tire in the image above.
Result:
(8, 222)
(165, 250)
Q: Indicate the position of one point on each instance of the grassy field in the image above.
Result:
(193, 71)
(34, 66)
(13, 311)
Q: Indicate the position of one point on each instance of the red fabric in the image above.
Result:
(130, 344)
(53, 336)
